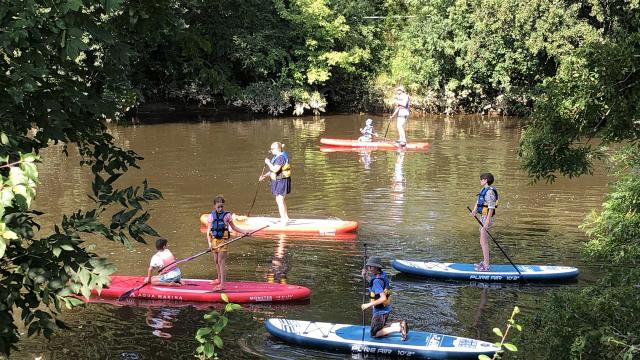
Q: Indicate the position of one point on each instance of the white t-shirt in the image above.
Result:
(402, 101)
(156, 260)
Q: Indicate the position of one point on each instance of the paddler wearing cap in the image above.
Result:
(380, 301)
(402, 111)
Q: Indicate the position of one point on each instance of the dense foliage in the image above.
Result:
(62, 76)
(589, 110)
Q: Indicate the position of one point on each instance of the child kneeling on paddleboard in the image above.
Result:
(367, 131)
(170, 275)
(379, 293)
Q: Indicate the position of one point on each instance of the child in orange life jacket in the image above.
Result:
(486, 206)
(379, 294)
(218, 225)
(170, 275)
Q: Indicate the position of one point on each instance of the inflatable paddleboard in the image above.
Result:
(382, 145)
(348, 338)
(201, 290)
(322, 227)
(504, 273)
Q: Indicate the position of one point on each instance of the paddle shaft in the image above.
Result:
(213, 248)
(125, 295)
(364, 282)
(253, 202)
(387, 130)
(494, 240)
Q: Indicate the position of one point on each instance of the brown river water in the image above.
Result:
(410, 205)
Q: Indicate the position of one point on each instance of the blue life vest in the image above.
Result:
(373, 296)
(285, 169)
(482, 206)
(218, 227)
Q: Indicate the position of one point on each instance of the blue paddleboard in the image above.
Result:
(504, 273)
(348, 338)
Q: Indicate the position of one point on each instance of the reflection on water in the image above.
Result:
(161, 319)
(409, 205)
(279, 263)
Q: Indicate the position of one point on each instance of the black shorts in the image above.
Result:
(378, 322)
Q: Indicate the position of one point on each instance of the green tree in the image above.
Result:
(63, 67)
(590, 110)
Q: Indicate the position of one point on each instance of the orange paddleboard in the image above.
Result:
(322, 227)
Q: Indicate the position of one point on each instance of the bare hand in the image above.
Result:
(364, 307)
(267, 161)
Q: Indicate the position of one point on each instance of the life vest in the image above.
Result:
(285, 169)
(218, 228)
(373, 296)
(482, 206)
(406, 106)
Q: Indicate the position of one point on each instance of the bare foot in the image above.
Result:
(218, 288)
(215, 282)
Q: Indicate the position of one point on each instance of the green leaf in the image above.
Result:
(224, 297)
(3, 248)
(56, 251)
(4, 139)
(518, 327)
(203, 331)
(510, 347)
(497, 332)
(483, 357)
(218, 341)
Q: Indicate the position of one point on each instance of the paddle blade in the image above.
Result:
(128, 293)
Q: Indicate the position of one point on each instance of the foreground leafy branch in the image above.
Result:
(209, 336)
(502, 344)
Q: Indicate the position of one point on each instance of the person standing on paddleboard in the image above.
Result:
(171, 275)
(486, 206)
(218, 224)
(402, 111)
(379, 294)
(280, 174)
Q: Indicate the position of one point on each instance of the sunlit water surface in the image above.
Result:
(410, 205)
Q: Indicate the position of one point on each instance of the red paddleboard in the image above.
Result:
(382, 145)
(201, 290)
(322, 227)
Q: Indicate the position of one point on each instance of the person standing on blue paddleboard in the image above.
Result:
(218, 225)
(486, 206)
(402, 110)
(379, 294)
(280, 174)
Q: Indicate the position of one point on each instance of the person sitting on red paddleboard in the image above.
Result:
(367, 131)
(218, 225)
(280, 174)
(379, 293)
(171, 275)
(486, 206)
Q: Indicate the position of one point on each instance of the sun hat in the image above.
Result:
(375, 261)
(369, 121)
(401, 88)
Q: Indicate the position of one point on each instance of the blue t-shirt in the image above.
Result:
(378, 288)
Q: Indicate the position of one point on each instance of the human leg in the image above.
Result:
(221, 270)
(400, 126)
(484, 244)
(282, 209)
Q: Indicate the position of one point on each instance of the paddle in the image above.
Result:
(256, 194)
(128, 293)
(364, 281)
(387, 130)
(494, 240)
